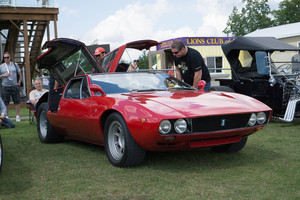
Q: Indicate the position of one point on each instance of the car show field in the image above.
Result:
(267, 168)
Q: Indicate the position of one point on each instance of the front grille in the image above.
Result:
(221, 122)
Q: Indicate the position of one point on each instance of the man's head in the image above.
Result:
(99, 52)
(178, 48)
(6, 57)
(38, 84)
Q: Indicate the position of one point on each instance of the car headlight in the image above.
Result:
(165, 127)
(261, 118)
(180, 126)
(252, 120)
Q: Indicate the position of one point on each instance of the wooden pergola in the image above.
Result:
(26, 28)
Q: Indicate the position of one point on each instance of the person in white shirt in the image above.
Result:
(36, 94)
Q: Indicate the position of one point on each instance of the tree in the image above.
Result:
(143, 60)
(255, 15)
(288, 12)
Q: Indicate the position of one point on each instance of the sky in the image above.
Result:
(120, 21)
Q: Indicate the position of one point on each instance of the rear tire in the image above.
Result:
(231, 148)
(120, 147)
(45, 131)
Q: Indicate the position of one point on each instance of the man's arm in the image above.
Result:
(197, 78)
(178, 75)
(20, 79)
(3, 108)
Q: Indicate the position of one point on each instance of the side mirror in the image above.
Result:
(262, 62)
(96, 89)
(201, 85)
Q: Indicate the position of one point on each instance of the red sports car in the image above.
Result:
(131, 113)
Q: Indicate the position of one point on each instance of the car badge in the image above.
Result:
(223, 122)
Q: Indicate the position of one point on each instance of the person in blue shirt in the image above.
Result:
(4, 120)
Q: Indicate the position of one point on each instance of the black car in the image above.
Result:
(267, 69)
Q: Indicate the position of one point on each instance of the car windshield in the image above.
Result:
(137, 82)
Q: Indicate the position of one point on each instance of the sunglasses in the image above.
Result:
(6, 57)
(176, 52)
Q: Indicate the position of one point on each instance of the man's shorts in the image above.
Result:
(13, 92)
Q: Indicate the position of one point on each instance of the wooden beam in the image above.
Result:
(13, 23)
(27, 60)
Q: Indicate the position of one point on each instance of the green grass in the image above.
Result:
(23, 112)
(267, 168)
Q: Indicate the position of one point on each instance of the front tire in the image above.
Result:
(120, 147)
(45, 131)
(231, 148)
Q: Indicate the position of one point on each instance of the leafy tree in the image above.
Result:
(143, 60)
(288, 12)
(255, 15)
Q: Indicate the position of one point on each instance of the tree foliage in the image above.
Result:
(288, 12)
(143, 60)
(255, 15)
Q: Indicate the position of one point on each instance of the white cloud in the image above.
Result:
(134, 22)
(162, 20)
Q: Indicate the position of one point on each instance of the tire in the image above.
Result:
(231, 148)
(221, 88)
(1, 153)
(45, 131)
(120, 147)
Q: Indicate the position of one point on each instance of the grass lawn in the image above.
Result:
(267, 168)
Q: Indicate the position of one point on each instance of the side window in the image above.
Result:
(85, 90)
(107, 61)
(77, 89)
(245, 58)
(73, 90)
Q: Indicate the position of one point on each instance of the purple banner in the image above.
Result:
(196, 41)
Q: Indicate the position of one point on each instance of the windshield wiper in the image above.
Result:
(181, 88)
(147, 90)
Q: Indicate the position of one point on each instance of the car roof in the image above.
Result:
(257, 44)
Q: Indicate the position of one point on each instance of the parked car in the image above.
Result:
(130, 113)
(1, 153)
(266, 69)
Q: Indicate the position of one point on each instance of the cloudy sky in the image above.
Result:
(119, 21)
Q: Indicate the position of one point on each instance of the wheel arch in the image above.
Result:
(43, 99)
(105, 115)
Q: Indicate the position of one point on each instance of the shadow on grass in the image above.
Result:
(193, 159)
(207, 159)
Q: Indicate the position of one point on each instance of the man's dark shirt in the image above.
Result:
(191, 63)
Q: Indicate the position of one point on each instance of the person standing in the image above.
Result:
(190, 66)
(10, 84)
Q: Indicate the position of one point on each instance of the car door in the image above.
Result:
(80, 121)
(66, 58)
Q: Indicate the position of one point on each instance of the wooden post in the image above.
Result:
(27, 60)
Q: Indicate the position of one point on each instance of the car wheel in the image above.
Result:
(120, 147)
(45, 131)
(1, 153)
(221, 88)
(230, 148)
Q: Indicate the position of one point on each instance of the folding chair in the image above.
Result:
(32, 119)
